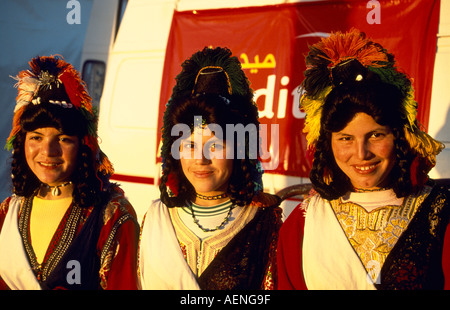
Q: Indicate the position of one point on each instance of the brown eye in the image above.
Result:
(345, 138)
(377, 135)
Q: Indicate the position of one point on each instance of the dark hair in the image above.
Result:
(214, 109)
(383, 102)
(87, 186)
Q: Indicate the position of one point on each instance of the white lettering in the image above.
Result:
(74, 15)
(243, 299)
(268, 93)
(217, 152)
(74, 275)
(241, 131)
(282, 99)
(271, 152)
(197, 300)
(246, 142)
(175, 148)
(374, 16)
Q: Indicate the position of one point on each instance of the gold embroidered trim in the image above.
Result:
(44, 270)
(112, 235)
(198, 253)
(373, 234)
(437, 206)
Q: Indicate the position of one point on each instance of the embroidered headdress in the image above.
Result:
(212, 70)
(51, 80)
(327, 67)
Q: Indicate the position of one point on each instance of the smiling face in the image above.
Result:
(51, 155)
(206, 163)
(364, 151)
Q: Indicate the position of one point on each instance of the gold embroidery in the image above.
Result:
(112, 235)
(437, 206)
(373, 234)
(105, 268)
(110, 210)
(199, 253)
(68, 233)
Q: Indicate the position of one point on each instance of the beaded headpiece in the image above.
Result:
(53, 80)
(354, 49)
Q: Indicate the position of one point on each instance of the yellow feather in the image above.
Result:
(313, 110)
(410, 106)
(423, 144)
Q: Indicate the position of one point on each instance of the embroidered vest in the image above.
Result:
(415, 262)
(79, 267)
(242, 263)
(73, 263)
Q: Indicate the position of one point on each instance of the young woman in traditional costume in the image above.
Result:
(213, 227)
(66, 226)
(374, 219)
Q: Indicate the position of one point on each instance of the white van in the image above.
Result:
(127, 38)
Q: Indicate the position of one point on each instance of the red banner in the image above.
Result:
(271, 42)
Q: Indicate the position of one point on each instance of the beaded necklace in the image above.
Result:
(369, 190)
(226, 219)
(216, 197)
(55, 189)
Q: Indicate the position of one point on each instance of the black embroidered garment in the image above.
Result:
(242, 263)
(415, 262)
(92, 248)
(81, 256)
(72, 260)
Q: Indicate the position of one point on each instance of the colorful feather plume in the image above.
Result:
(52, 71)
(340, 48)
(335, 49)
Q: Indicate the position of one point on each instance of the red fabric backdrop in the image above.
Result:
(272, 41)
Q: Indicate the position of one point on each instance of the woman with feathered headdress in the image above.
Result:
(213, 227)
(374, 220)
(65, 226)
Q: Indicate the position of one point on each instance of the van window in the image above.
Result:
(120, 12)
(94, 77)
